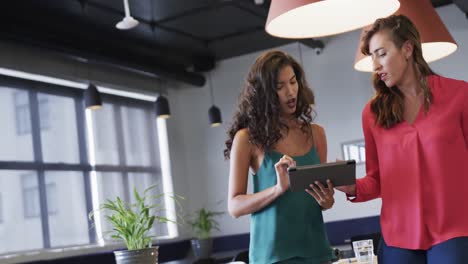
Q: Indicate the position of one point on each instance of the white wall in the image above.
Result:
(341, 92)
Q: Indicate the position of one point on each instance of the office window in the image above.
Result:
(31, 196)
(15, 120)
(53, 120)
(134, 161)
(60, 139)
(135, 122)
(43, 102)
(18, 232)
(134, 125)
(355, 150)
(105, 136)
(60, 136)
(23, 118)
(66, 203)
(52, 198)
(31, 205)
(125, 135)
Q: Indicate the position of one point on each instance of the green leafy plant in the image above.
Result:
(204, 222)
(131, 223)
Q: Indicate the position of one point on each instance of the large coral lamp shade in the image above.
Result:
(436, 40)
(296, 19)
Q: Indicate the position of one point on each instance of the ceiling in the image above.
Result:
(176, 39)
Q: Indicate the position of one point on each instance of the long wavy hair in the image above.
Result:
(387, 104)
(258, 107)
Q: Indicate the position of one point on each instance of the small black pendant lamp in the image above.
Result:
(161, 106)
(214, 114)
(92, 97)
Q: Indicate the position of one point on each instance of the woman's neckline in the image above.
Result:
(296, 156)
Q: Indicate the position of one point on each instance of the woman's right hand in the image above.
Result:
(348, 189)
(282, 178)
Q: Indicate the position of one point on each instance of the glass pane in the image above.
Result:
(30, 187)
(59, 138)
(354, 152)
(105, 138)
(110, 185)
(346, 152)
(21, 223)
(68, 216)
(362, 153)
(141, 181)
(16, 139)
(136, 136)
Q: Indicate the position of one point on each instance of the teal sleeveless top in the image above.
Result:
(291, 227)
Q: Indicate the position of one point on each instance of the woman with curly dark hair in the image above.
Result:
(272, 130)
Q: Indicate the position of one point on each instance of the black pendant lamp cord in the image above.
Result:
(152, 23)
(211, 89)
(300, 53)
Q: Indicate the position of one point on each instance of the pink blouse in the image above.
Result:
(421, 170)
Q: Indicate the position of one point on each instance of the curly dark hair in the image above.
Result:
(387, 104)
(258, 107)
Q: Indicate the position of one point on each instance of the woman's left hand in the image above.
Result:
(323, 195)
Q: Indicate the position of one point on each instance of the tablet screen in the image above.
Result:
(340, 173)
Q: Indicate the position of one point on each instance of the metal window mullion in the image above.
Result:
(82, 146)
(37, 148)
(121, 148)
(26, 165)
(150, 125)
(129, 169)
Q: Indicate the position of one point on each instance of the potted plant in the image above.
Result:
(132, 223)
(203, 223)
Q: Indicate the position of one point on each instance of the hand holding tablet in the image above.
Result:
(340, 173)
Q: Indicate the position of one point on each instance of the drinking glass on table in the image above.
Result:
(364, 251)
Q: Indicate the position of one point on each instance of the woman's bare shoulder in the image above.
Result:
(242, 139)
(244, 146)
(242, 136)
(317, 129)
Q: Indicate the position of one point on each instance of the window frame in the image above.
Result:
(119, 102)
(345, 149)
(38, 166)
(29, 203)
(22, 114)
(33, 88)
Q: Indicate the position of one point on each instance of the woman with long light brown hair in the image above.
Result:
(416, 136)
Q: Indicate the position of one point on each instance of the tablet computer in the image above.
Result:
(340, 173)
